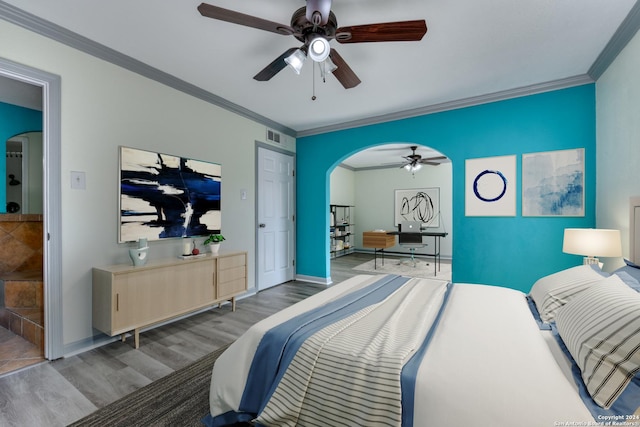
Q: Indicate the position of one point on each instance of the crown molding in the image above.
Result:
(60, 34)
(623, 35)
(625, 32)
(453, 105)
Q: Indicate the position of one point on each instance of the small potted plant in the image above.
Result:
(214, 241)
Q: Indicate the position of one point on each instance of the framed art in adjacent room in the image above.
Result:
(418, 204)
(490, 186)
(165, 196)
(553, 183)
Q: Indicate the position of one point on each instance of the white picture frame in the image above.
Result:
(553, 183)
(490, 186)
(418, 204)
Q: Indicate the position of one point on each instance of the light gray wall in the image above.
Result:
(373, 197)
(618, 141)
(105, 106)
(342, 187)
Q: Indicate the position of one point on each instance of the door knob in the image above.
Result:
(262, 225)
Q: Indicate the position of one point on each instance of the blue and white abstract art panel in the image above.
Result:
(165, 196)
(490, 186)
(553, 183)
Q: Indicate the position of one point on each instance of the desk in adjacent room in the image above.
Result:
(379, 241)
(437, 235)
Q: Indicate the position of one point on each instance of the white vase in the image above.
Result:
(138, 256)
(214, 248)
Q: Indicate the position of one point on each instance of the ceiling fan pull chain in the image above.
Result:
(315, 25)
(313, 84)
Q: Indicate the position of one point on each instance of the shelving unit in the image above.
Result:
(341, 230)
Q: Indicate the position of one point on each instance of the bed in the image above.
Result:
(398, 351)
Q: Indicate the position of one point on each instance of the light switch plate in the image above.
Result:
(78, 180)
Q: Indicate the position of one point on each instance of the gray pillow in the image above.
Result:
(601, 329)
(553, 291)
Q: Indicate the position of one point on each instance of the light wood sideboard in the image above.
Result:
(127, 298)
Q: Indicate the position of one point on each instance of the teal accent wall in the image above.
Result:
(14, 121)
(504, 251)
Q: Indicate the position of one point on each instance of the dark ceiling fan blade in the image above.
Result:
(275, 67)
(432, 160)
(403, 31)
(227, 15)
(343, 73)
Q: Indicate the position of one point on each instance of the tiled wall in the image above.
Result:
(21, 284)
(20, 243)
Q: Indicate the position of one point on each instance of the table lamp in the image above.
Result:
(592, 242)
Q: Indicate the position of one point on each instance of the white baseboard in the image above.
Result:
(314, 279)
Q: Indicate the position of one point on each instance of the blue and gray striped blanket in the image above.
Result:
(352, 361)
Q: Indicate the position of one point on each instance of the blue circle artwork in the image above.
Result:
(489, 198)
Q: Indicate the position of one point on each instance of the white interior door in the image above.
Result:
(275, 218)
(635, 236)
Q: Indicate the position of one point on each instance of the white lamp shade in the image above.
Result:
(296, 60)
(413, 168)
(326, 67)
(329, 65)
(592, 242)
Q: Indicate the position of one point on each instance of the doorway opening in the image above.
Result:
(18, 83)
(370, 181)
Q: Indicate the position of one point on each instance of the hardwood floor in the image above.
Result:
(63, 391)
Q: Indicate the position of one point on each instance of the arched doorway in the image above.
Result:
(368, 181)
(23, 166)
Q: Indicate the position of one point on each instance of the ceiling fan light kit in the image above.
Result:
(327, 66)
(319, 49)
(414, 161)
(315, 25)
(413, 167)
(296, 60)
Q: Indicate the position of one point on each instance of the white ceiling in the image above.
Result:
(388, 156)
(472, 49)
(15, 92)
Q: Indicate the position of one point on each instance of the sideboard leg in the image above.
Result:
(136, 339)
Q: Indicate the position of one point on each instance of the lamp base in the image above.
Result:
(588, 260)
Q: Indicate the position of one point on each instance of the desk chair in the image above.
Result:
(410, 237)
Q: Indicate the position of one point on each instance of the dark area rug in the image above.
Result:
(179, 399)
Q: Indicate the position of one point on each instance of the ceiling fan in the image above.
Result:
(315, 25)
(414, 161)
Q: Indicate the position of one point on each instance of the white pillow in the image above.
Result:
(552, 292)
(601, 329)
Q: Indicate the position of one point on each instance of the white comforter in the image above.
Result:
(488, 364)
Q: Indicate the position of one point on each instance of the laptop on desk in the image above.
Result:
(410, 227)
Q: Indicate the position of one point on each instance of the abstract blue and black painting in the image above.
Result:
(553, 183)
(166, 196)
